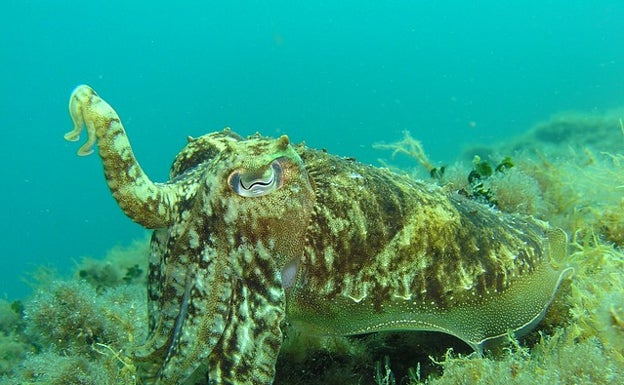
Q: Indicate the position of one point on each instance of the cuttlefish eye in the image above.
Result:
(257, 183)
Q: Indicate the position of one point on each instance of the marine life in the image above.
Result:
(249, 232)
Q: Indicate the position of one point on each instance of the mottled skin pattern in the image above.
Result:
(250, 231)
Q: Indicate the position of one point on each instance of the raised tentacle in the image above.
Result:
(150, 204)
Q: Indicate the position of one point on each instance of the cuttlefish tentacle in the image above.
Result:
(147, 203)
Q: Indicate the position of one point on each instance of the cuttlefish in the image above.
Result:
(251, 232)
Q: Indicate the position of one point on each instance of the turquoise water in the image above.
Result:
(337, 74)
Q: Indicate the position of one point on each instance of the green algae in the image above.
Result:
(568, 170)
(77, 330)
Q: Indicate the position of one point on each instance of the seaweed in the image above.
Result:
(413, 149)
(80, 330)
(482, 170)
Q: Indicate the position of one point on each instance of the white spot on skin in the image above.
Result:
(357, 299)
(289, 273)
(231, 213)
(193, 238)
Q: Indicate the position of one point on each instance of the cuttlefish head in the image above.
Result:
(244, 206)
(260, 189)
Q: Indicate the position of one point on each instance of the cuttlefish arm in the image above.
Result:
(190, 300)
(226, 324)
(150, 204)
(190, 287)
(250, 344)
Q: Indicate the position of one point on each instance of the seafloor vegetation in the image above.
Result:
(568, 170)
